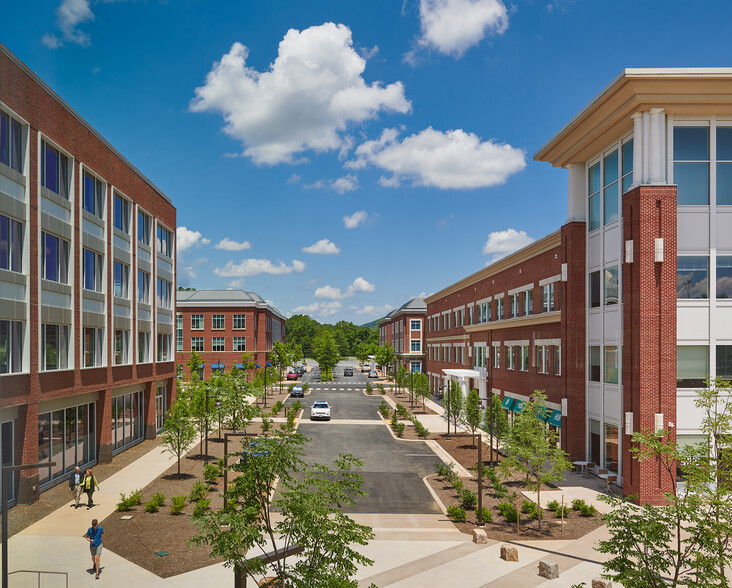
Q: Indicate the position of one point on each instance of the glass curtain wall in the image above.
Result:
(128, 424)
(67, 437)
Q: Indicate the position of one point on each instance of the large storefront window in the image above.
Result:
(159, 408)
(595, 441)
(128, 424)
(67, 437)
(611, 447)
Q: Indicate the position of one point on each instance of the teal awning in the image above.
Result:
(555, 419)
(519, 406)
(508, 403)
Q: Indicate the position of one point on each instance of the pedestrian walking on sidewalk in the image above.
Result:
(90, 484)
(75, 485)
(95, 536)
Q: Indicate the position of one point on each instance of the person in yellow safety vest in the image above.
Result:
(89, 484)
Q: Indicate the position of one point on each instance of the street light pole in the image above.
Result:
(206, 458)
(490, 418)
(447, 395)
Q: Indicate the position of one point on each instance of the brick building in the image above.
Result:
(642, 272)
(222, 325)
(403, 328)
(87, 273)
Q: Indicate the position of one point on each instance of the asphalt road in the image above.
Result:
(392, 470)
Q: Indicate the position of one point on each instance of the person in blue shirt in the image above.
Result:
(95, 537)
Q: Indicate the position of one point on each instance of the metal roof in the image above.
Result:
(223, 298)
(415, 305)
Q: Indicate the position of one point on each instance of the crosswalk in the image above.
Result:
(335, 389)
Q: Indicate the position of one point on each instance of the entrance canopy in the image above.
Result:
(463, 374)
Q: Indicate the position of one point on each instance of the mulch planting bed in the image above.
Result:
(403, 398)
(575, 525)
(139, 538)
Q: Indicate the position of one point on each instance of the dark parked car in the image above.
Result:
(348, 371)
(297, 392)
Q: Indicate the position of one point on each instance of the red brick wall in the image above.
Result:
(649, 326)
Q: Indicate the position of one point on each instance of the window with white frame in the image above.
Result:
(93, 347)
(528, 302)
(93, 195)
(93, 271)
(121, 279)
(541, 359)
(144, 227)
(509, 357)
(164, 347)
(524, 358)
(143, 347)
(416, 346)
(11, 142)
(415, 325)
(122, 208)
(164, 241)
(121, 347)
(11, 244)
(496, 356)
(218, 344)
(612, 364)
(499, 309)
(196, 322)
(55, 258)
(479, 355)
(513, 301)
(692, 276)
(196, 343)
(164, 293)
(217, 321)
(595, 294)
(724, 277)
(11, 346)
(611, 285)
(55, 347)
(143, 287)
(608, 179)
(240, 343)
(470, 315)
(179, 332)
(55, 170)
(557, 360)
(547, 297)
(692, 165)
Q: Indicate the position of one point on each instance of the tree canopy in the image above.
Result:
(348, 337)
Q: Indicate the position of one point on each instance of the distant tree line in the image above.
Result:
(348, 338)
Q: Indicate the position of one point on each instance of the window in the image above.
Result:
(479, 355)
(610, 190)
(164, 351)
(547, 297)
(557, 360)
(691, 165)
(11, 244)
(164, 290)
(11, 347)
(240, 343)
(594, 363)
(611, 447)
(595, 183)
(143, 287)
(611, 285)
(67, 437)
(692, 366)
(470, 315)
(528, 302)
(724, 361)
(627, 152)
(499, 308)
(692, 276)
(144, 224)
(415, 325)
(513, 302)
(122, 214)
(55, 259)
(595, 295)
(541, 359)
(416, 346)
(415, 367)
(54, 171)
(93, 347)
(612, 364)
(196, 322)
(121, 279)
(93, 195)
(724, 276)
(496, 356)
(121, 347)
(165, 241)
(196, 343)
(179, 332)
(143, 347)
(93, 271)
(218, 344)
(509, 357)
(217, 321)
(11, 142)
(55, 347)
(524, 358)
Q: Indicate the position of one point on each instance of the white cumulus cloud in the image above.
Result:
(502, 243)
(306, 99)
(69, 15)
(453, 26)
(229, 245)
(332, 293)
(347, 183)
(187, 238)
(372, 310)
(253, 267)
(322, 247)
(452, 160)
(357, 218)
(319, 309)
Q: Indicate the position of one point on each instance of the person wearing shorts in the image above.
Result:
(95, 536)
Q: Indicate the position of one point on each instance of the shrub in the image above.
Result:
(553, 505)
(456, 513)
(457, 483)
(558, 511)
(290, 387)
(211, 473)
(136, 497)
(508, 511)
(266, 424)
(578, 504)
(369, 388)
(491, 475)
(486, 515)
(296, 406)
(394, 419)
(124, 504)
(384, 409)
(158, 499)
(399, 429)
(588, 510)
(527, 506)
(198, 492)
(444, 470)
(178, 504)
(305, 387)
(420, 428)
(468, 499)
(201, 507)
(277, 407)
(151, 506)
(381, 388)
(403, 412)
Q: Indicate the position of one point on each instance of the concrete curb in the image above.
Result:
(434, 494)
(447, 458)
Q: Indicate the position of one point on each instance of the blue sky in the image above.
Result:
(340, 157)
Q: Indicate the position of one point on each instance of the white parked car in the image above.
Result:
(320, 410)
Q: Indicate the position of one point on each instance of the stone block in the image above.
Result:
(548, 569)
(509, 553)
(480, 537)
(601, 583)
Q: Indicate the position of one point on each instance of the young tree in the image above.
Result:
(499, 418)
(326, 353)
(309, 505)
(385, 355)
(193, 364)
(473, 412)
(280, 356)
(400, 377)
(456, 402)
(422, 388)
(685, 542)
(179, 431)
(531, 448)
